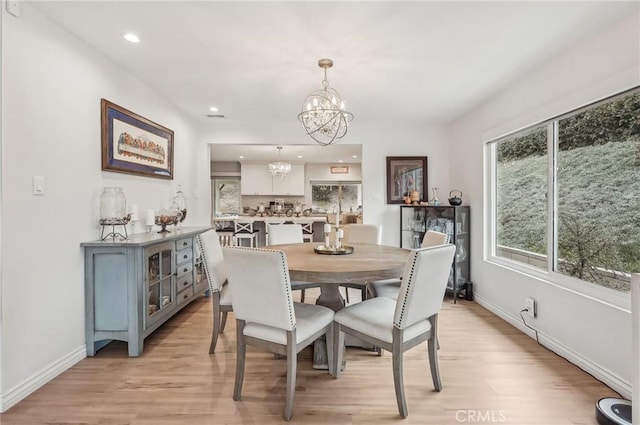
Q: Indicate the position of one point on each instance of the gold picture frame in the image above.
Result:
(132, 144)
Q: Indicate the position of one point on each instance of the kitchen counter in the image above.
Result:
(226, 223)
(275, 219)
(272, 219)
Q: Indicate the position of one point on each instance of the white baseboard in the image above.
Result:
(613, 381)
(37, 380)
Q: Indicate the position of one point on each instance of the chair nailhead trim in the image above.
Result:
(208, 274)
(285, 270)
(414, 259)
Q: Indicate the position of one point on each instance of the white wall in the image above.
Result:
(322, 172)
(592, 334)
(52, 86)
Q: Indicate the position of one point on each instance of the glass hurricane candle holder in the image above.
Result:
(113, 204)
(180, 202)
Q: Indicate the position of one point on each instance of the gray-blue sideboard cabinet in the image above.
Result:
(134, 286)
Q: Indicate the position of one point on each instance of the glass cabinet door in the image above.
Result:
(160, 280)
(153, 282)
(200, 275)
(463, 249)
(412, 225)
(415, 221)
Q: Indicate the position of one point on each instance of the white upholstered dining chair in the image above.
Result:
(284, 233)
(267, 317)
(361, 233)
(289, 233)
(216, 275)
(391, 287)
(400, 325)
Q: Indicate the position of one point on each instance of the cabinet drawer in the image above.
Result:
(184, 243)
(185, 296)
(184, 281)
(184, 256)
(184, 269)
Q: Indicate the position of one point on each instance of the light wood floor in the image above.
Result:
(491, 373)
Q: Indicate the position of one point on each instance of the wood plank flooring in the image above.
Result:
(491, 373)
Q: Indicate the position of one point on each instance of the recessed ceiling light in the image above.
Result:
(241, 156)
(299, 156)
(213, 109)
(355, 156)
(341, 161)
(131, 37)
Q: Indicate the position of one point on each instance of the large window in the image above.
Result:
(327, 196)
(521, 197)
(226, 196)
(582, 219)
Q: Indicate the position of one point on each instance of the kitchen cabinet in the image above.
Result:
(291, 184)
(257, 180)
(134, 286)
(454, 221)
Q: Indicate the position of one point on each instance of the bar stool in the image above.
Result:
(307, 232)
(243, 229)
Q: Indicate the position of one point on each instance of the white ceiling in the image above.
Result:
(421, 60)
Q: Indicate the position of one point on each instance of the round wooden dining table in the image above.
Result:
(368, 262)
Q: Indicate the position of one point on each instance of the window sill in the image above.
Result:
(610, 297)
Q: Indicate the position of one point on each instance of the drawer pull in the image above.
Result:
(185, 283)
(185, 256)
(185, 296)
(185, 244)
(185, 270)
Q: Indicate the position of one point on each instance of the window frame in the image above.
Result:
(215, 201)
(336, 183)
(599, 293)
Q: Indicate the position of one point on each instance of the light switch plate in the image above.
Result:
(38, 185)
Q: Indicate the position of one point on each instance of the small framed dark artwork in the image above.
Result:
(133, 144)
(406, 174)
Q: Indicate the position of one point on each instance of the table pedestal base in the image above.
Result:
(320, 354)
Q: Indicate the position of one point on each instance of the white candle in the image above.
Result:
(339, 235)
(338, 218)
(327, 228)
(151, 218)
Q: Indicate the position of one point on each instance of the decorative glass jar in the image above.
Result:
(180, 203)
(113, 204)
(434, 201)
